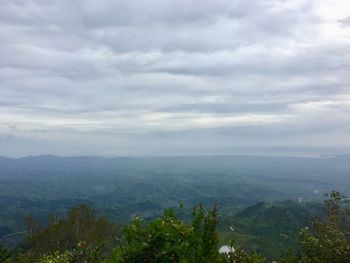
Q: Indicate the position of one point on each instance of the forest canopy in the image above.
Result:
(85, 237)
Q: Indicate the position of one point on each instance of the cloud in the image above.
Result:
(173, 77)
(345, 22)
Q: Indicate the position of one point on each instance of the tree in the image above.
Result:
(171, 239)
(328, 240)
(81, 232)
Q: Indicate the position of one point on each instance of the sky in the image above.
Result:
(182, 77)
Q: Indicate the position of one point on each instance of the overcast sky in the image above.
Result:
(175, 77)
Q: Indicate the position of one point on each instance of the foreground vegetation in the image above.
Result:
(85, 237)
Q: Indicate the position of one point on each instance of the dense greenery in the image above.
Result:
(84, 237)
(81, 227)
(328, 240)
(269, 227)
(247, 190)
(119, 188)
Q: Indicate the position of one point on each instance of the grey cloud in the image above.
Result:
(157, 25)
(233, 107)
(171, 76)
(345, 22)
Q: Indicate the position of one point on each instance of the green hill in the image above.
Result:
(270, 227)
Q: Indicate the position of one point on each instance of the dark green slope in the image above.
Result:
(271, 227)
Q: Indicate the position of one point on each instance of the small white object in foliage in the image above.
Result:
(226, 249)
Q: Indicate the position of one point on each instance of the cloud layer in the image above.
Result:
(174, 77)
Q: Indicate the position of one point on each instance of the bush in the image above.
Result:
(328, 240)
(170, 239)
(81, 232)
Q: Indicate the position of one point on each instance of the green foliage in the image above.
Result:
(83, 237)
(328, 240)
(170, 239)
(14, 256)
(270, 228)
(77, 255)
(81, 232)
(242, 257)
(237, 255)
(56, 258)
(121, 187)
(5, 254)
